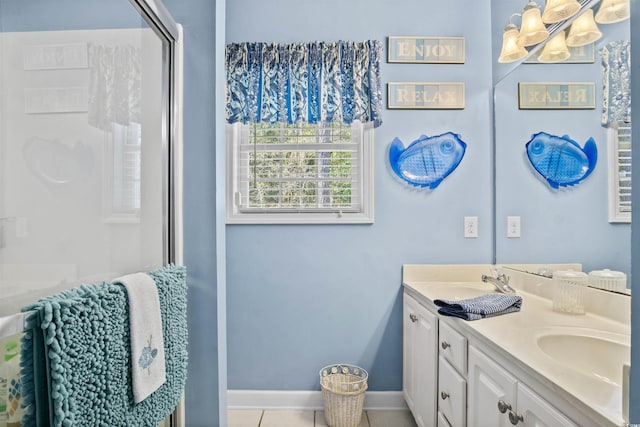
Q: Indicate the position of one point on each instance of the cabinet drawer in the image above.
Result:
(442, 421)
(453, 347)
(452, 394)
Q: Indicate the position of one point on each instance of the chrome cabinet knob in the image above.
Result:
(515, 418)
(445, 345)
(503, 406)
(444, 395)
(413, 317)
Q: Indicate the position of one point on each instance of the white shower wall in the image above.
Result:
(57, 174)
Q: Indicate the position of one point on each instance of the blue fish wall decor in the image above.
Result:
(428, 160)
(560, 160)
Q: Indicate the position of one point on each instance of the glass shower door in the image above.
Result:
(87, 129)
(83, 161)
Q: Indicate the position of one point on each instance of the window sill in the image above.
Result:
(301, 218)
(133, 219)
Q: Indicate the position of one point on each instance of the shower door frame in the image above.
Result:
(160, 21)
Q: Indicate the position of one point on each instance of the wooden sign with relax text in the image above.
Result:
(425, 95)
(557, 96)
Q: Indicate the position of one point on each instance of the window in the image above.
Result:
(122, 189)
(619, 143)
(288, 174)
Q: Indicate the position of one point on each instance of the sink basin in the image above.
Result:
(596, 353)
(458, 292)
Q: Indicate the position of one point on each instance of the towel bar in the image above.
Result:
(14, 324)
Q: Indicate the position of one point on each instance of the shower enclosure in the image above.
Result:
(89, 146)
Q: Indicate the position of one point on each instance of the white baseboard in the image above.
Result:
(307, 400)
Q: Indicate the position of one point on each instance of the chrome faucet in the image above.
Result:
(501, 282)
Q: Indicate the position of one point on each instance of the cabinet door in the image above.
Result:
(419, 380)
(534, 411)
(452, 393)
(491, 391)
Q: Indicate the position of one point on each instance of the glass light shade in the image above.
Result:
(559, 10)
(583, 30)
(532, 30)
(555, 50)
(511, 50)
(612, 11)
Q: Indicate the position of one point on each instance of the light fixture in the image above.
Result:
(555, 50)
(559, 10)
(532, 29)
(583, 30)
(511, 50)
(612, 11)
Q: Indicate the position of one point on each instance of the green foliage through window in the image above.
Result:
(301, 167)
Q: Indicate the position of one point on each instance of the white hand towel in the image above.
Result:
(148, 371)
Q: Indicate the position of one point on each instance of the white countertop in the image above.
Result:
(516, 334)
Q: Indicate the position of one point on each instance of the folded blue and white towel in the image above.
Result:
(148, 371)
(480, 307)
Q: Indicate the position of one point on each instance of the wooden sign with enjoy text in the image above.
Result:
(426, 50)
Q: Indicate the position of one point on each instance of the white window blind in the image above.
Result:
(122, 180)
(300, 173)
(127, 141)
(620, 173)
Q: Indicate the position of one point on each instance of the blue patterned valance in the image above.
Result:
(616, 93)
(314, 82)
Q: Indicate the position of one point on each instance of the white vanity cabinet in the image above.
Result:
(497, 398)
(534, 411)
(449, 382)
(489, 386)
(420, 359)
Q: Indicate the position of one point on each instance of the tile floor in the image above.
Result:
(276, 418)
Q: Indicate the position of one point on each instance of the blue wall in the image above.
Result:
(39, 15)
(300, 297)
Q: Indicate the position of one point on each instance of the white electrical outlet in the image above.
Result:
(470, 227)
(513, 226)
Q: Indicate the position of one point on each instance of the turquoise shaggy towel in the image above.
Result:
(76, 368)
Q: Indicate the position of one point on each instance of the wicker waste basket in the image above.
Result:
(343, 388)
